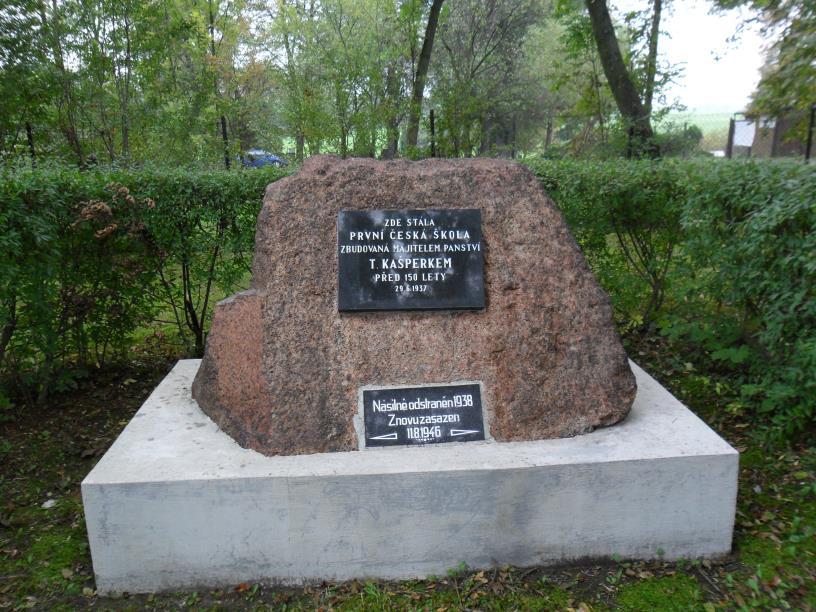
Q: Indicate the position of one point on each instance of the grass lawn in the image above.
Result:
(45, 562)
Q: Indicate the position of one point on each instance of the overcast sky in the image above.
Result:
(719, 75)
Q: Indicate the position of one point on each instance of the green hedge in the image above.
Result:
(721, 254)
(89, 258)
(714, 253)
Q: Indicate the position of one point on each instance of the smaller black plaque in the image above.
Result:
(423, 415)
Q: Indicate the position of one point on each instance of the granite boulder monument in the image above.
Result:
(407, 274)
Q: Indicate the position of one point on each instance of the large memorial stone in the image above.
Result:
(286, 360)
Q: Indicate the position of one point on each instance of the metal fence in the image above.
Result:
(765, 137)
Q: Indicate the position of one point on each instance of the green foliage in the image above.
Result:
(675, 141)
(86, 258)
(669, 593)
(625, 217)
(751, 236)
(136, 81)
(201, 235)
(484, 90)
(715, 253)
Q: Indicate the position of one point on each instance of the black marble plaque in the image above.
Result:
(423, 415)
(410, 259)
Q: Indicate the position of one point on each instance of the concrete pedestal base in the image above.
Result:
(177, 503)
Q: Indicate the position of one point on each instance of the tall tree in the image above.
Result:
(294, 37)
(581, 102)
(629, 103)
(27, 86)
(222, 118)
(422, 72)
(479, 82)
(52, 25)
(651, 58)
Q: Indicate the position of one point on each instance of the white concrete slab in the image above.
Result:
(177, 503)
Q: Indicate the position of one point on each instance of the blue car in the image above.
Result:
(258, 159)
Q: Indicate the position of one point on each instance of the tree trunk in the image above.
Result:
(433, 134)
(125, 97)
(226, 142)
(392, 148)
(486, 128)
(619, 79)
(596, 84)
(30, 138)
(223, 118)
(8, 328)
(67, 121)
(299, 146)
(513, 139)
(549, 137)
(392, 118)
(651, 60)
(422, 73)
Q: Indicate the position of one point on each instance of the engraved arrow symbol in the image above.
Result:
(391, 436)
(462, 432)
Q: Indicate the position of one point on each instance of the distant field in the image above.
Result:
(713, 125)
